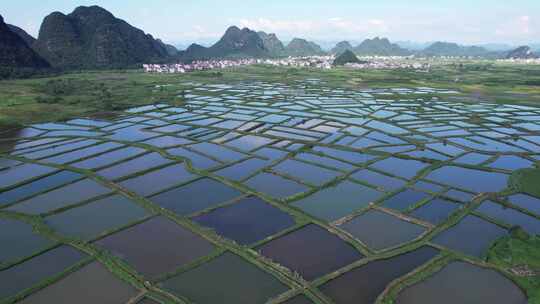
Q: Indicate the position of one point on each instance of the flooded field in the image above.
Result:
(268, 193)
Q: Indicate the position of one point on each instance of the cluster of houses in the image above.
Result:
(197, 66)
(390, 62)
(323, 62)
(520, 61)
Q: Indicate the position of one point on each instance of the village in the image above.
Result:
(322, 62)
(521, 61)
(319, 62)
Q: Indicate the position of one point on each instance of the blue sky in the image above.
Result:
(184, 21)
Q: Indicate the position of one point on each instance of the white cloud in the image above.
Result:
(518, 28)
(269, 25)
(336, 27)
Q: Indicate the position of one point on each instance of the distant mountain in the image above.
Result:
(346, 57)
(341, 47)
(522, 52)
(413, 45)
(380, 47)
(23, 34)
(235, 43)
(92, 37)
(302, 47)
(272, 43)
(15, 52)
(453, 50)
(193, 52)
(497, 47)
(171, 49)
(239, 42)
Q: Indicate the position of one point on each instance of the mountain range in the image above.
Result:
(272, 44)
(15, 51)
(380, 47)
(453, 49)
(522, 52)
(92, 38)
(341, 47)
(235, 43)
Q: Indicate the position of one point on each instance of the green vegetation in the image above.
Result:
(59, 98)
(30, 100)
(522, 257)
(527, 180)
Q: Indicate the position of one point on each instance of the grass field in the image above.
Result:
(75, 94)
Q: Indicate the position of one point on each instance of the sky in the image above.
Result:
(185, 21)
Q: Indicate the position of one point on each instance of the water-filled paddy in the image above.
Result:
(275, 185)
(311, 251)
(233, 280)
(332, 179)
(61, 197)
(157, 180)
(469, 179)
(380, 230)
(471, 236)
(337, 201)
(19, 241)
(38, 269)
(435, 211)
(195, 196)
(475, 285)
(91, 284)
(27, 190)
(95, 218)
(298, 300)
(167, 246)
(364, 284)
(247, 221)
